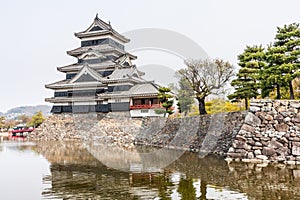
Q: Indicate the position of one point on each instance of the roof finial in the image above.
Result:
(96, 16)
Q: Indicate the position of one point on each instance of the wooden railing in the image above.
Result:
(145, 106)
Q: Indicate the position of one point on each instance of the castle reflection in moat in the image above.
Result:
(76, 174)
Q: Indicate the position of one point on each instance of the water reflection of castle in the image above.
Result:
(76, 173)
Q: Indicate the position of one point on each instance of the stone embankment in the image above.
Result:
(56, 127)
(116, 129)
(271, 132)
(200, 133)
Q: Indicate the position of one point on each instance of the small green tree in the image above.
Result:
(246, 85)
(36, 119)
(2, 121)
(165, 98)
(184, 95)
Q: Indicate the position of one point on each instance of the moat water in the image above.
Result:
(57, 170)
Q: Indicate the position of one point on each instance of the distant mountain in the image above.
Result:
(29, 110)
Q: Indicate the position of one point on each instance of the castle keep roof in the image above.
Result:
(99, 28)
(103, 79)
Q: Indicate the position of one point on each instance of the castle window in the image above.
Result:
(94, 42)
(70, 76)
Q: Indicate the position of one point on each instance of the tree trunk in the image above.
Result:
(185, 113)
(202, 110)
(203, 190)
(278, 92)
(291, 90)
(246, 103)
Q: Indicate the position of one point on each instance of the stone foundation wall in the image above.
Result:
(198, 134)
(114, 128)
(271, 132)
(205, 134)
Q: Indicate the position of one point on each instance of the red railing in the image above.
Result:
(145, 106)
(23, 130)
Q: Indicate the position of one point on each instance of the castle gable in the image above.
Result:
(86, 74)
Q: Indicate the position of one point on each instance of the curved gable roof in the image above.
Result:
(86, 74)
(99, 27)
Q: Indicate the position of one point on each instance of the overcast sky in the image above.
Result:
(35, 34)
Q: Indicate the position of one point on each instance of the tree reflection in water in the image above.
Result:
(186, 189)
(76, 174)
(203, 190)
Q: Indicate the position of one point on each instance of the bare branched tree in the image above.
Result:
(206, 77)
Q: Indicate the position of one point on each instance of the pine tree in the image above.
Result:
(247, 83)
(165, 98)
(283, 59)
(273, 72)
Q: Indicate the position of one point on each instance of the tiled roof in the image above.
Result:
(128, 72)
(140, 89)
(105, 28)
(121, 73)
(143, 88)
(102, 48)
(94, 75)
(77, 67)
(56, 83)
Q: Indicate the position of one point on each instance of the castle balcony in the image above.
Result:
(132, 107)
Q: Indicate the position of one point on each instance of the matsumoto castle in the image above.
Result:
(104, 78)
